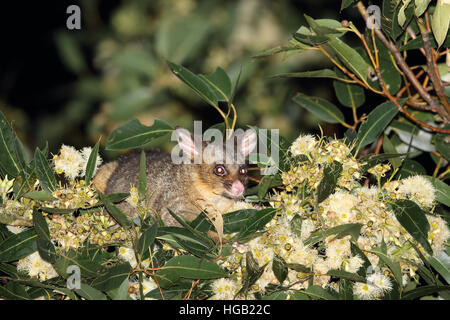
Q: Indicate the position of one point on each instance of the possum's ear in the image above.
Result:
(248, 142)
(186, 142)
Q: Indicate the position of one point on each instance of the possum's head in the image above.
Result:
(219, 166)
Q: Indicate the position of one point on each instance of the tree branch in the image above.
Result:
(403, 65)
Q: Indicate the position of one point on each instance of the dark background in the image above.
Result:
(37, 85)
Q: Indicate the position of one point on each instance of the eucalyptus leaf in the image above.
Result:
(133, 134)
(340, 231)
(377, 121)
(113, 278)
(440, 21)
(18, 246)
(187, 267)
(91, 164)
(115, 212)
(413, 219)
(331, 175)
(46, 176)
(10, 160)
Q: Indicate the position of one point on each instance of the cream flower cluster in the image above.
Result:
(72, 163)
(288, 235)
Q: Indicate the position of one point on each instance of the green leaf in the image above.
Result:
(252, 274)
(423, 291)
(40, 225)
(173, 292)
(351, 58)
(410, 168)
(340, 231)
(113, 278)
(14, 291)
(90, 293)
(346, 3)
(39, 196)
(376, 122)
(310, 38)
(442, 190)
(220, 81)
(441, 263)
(18, 246)
(421, 6)
(87, 267)
(373, 159)
(146, 240)
(440, 21)
(91, 164)
(133, 134)
(277, 295)
(117, 197)
(209, 91)
(185, 239)
(120, 293)
(295, 47)
(388, 147)
(331, 175)
(142, 187)
(115, 212)
(256, 222)
(417, 43)
(10, 160)
(317, 292)
(325, 73)
(57, 210)
(187, 267)
(441, 142)
(321, 108)
(324, 27)
(405, 13)
(46, 176)
(349, 94)
(279, 268)
(186, 225)
(391, 77)
(413, 219)
(44, 245)
(345, 289)
(387, 16)
(233, 221)
(296, 225)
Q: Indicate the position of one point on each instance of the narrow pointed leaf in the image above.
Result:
(376, 122)
(91, 164)
(133, 134)
(321, 108)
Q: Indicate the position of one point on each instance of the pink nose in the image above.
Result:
(237, 188)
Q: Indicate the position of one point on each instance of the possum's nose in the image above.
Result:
(237, 188)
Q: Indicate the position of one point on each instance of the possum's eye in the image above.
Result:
(242, 171)
(220, 171)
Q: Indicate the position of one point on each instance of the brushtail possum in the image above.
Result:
(214, 184)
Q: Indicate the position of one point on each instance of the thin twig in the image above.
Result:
(398, 58)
